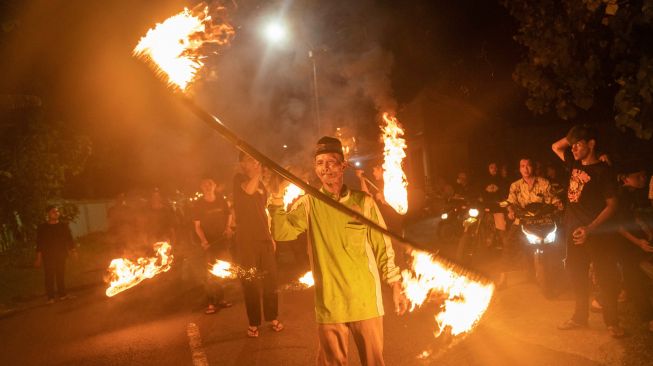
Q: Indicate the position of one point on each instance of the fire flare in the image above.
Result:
(464, 299)
(223, 269)
(125, 274)
(307, 279)
(394, 178)
(174, 46)
(291, 193)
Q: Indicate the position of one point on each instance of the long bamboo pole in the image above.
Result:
(214, 123)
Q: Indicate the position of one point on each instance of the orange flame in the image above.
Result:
(174, 46)
(465, 299)
(125, 274)
(307, 279)
(291, 193)
(223, 269)
(394, 178)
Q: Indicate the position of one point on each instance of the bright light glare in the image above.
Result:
(532, 238)
(275, 32)
(444, 216)
(473, 212)
(551, 237)
(357, 164)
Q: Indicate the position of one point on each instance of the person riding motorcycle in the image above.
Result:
(528, 189)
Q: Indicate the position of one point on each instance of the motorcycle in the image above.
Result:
(450, 226)
(479, 242)
(539, 224)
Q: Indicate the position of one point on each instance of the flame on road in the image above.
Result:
(464, 300)
(291, 193)
(394, 178)
(174, 46)
(307, 279)
(125, 274)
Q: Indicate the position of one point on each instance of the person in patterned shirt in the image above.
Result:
(530, 189)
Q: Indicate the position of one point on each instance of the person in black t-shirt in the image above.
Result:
(54, 242)
(592, 203)
(254, 245)
(211, 219)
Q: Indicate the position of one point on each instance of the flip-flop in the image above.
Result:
(277, 327)
(252, 332)
(210, 310)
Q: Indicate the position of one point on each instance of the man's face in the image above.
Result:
(462, 179)
(330, 168)
(250, 166)
(525, 168)
(636, 180)
(53, 214)
(582, 149)
(207, 186)
(493, 169)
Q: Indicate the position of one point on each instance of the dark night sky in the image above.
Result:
(76, 55)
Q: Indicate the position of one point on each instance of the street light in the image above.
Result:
(275, 32)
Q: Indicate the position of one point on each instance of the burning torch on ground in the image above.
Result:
(124, 274)
(174, 49)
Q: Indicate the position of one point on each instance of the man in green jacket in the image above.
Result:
(349, 260)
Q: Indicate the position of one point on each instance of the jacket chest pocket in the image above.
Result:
(355, 234)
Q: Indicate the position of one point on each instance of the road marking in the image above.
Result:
(196, 348)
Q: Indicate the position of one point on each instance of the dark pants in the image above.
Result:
(54, 267)
(213, 285)
(601, 252)
(259, 255)
(636, 282)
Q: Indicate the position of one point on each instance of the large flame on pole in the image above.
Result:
(394, 178)
(125, 274)
(290, 195)
(464, 298)
(174, 46)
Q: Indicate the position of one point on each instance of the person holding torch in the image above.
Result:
(349, 260)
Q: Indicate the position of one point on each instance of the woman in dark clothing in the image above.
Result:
(53, 243)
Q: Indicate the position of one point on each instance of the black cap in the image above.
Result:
(328, 145)
(582, 132)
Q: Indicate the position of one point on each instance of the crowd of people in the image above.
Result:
(605, 226)
(606, 219)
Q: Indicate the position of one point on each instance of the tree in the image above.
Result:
(36, 158)
(585, 55)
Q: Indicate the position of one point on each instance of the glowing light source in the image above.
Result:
(124, 274)
(275, 31)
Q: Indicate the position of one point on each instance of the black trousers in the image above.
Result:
(262, 285)
(601, 251)
(54, 267)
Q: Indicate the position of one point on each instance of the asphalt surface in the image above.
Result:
(161, 322)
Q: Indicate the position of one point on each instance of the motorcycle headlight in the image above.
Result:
(551, 237)
(532, 238)
(473, 212)
(444, 216)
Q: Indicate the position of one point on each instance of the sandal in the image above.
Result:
(252, 332)
(277, 326)
(571, 324)
(210, 310)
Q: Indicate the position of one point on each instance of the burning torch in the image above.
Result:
(173, 50)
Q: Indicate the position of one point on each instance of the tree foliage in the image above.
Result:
(36, 158)
(585, 55)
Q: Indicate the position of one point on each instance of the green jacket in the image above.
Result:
(348, 259)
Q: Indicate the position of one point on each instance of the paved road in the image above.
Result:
(149, 325)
